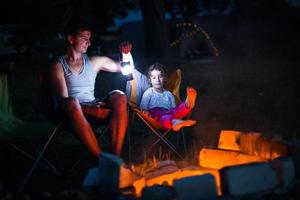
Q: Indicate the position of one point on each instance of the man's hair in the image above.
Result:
(76, 27)
(158, 67)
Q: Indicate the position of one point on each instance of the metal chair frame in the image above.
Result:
(161, 133)
(41, 160)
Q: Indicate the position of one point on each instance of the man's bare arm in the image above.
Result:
(58, 82)
(105, 64)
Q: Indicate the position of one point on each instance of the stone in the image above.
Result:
(248, 179)
(110, 176)
(169, 179)
(248, 143)
(196, 188)
(157, 192)
(252, 143)
(278, 148)
(268, 147)
(91, 179)
(284, 167)
(217, 159)
(295, 151)
(109, 173)
(263, 147)
(229, 140)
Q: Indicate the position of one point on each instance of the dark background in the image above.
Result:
(246, 73)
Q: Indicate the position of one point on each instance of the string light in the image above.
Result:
(196, 30)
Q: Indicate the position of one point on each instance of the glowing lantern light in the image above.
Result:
(127, 70)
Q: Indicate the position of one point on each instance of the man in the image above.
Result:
(73, 80)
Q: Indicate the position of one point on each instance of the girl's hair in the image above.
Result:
(158, 67)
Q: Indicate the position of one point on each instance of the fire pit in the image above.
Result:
(244, 163)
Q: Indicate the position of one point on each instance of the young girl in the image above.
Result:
(160, 103)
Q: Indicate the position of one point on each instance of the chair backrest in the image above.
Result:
(173, 85)
(5, 103)
(46, 97)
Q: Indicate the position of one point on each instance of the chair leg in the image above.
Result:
(46, 162)
(39, 158)
(29, 156)
(156, 132)
(165, 140)
(162, 137)
(100, 135)
(79, 160)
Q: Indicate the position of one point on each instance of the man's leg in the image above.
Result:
(119, 118)
(80, 125)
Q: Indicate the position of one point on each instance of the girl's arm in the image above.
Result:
(144, 105)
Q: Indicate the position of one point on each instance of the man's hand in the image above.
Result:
(100, 104)
(98, 111)
(125, 47)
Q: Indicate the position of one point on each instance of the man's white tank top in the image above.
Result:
(80, 86)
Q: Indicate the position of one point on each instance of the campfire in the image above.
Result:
(243, 163)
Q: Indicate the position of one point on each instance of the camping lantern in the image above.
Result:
(127, 70)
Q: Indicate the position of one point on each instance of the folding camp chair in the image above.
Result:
(172, 84)
(53, 134)
(161, 132)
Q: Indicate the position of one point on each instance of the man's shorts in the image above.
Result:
(61, 116)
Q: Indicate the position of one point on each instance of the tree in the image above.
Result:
(155, 26)
(37, 21)
(156, 33)
(47, 17)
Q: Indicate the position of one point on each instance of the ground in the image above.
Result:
(251, 86)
